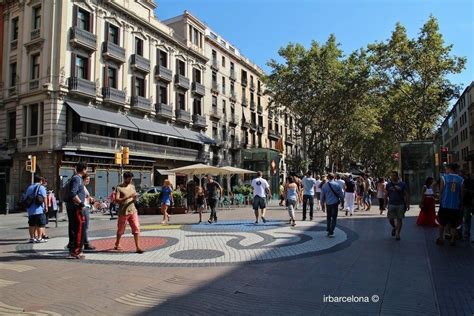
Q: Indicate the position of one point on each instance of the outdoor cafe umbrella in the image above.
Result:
(231, 171)
(199, 170)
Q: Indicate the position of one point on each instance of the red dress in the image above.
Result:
(427, 215)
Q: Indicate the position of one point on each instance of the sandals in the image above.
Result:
(118, 248)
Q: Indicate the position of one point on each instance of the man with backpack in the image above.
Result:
(74, 195)
(35, 197)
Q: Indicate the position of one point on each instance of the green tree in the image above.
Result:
(413, 73)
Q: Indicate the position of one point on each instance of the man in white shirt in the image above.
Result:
(318, 193)
(260, 189)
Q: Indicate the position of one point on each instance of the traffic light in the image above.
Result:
(33, 164)
(118, 158)
(28, 165)
(125, 155)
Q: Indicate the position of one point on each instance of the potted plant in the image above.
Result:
(178, 203)
(149, 204)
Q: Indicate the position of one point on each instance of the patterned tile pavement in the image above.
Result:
(225, 242)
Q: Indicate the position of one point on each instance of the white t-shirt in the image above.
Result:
(259, 185)
(86, 200)
(342, 184)
(318, 183)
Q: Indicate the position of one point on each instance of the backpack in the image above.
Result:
(34, 198)
(65, 191)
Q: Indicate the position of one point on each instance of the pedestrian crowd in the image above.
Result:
(330, 193)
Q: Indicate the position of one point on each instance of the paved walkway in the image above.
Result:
(237, 267)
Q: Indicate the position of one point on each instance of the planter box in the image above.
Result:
(178, 210)
(149, 211)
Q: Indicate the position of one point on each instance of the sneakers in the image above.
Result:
(89, 247)
(32, 240)
(294, 223)
(210, 221)
(264, 220)
(393, 232)
(215, 219)
(40, 241)
(347, 212)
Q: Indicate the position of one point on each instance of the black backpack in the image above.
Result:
(65, 190)
(34, 198)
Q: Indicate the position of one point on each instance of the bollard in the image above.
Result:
(7, 209)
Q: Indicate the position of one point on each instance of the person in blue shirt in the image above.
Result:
(309, 183)
(450, 208)
(331, 196)
(75, 212)
(397, 201)
(36, 215)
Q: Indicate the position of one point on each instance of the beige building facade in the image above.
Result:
(82, 79)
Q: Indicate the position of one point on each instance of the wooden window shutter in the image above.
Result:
(74, 16)
(134, 88)
(106, 34)
(118, 35)
(91, 23)
(73, 65)
(88, 75)
(106, 76)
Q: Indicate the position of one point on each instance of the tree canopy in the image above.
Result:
(357, 108)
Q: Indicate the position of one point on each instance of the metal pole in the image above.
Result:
(32, 177)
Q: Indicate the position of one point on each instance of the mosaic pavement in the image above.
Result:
(222, 243)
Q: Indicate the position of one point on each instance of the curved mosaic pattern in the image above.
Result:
(226, 242)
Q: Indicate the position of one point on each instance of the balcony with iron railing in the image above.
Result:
(35, 34)
(82, 87)
(273, 134)
(215, 87)
(232, 75)
(13, 44)
(164, 110)
(252, 86)
(163, 73)
(98, 143)
(216, 113)
(252, 105)
(289, 139)
(140, 63)
(140, 103)
(83, 38)
(34, 84)
(199, 120)
(244, 101)
(233, 96)
(244, 81)
(233, 119)
(113, 96)
(181, 81)
(183, 116)
(214, 64)
(114, 52)
(199, 89)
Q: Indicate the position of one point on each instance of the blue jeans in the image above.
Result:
(307, 198)
(331, 217)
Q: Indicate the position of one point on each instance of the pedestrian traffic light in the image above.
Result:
(118, 158)
(125, 156)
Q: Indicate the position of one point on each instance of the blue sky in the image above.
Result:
(260, 27)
